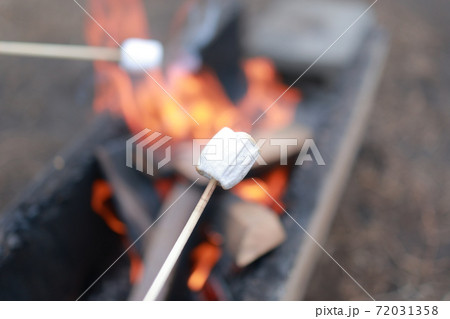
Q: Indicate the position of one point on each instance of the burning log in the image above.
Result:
(134, 55)
(137, 200)
(281, 144)
(251, 231)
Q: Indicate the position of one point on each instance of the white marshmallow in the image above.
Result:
(228, 157)
(137, 54)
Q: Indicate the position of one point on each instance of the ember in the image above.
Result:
(101, 204)
(204, 258)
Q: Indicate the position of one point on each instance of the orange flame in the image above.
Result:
(205, 256)
(250, 191)
(144, 104)
(136, 266)
(100, 203)
(275, 183)
(101, 194)
(163, 186)
(121, 19)
(264, 89)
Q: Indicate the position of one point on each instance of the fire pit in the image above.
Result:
(97, 226)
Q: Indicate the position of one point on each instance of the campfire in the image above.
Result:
(123, 202)
(185, 104)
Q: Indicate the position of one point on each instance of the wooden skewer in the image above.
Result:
(59, 51)
(174, 254)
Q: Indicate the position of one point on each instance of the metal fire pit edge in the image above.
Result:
(314, 191)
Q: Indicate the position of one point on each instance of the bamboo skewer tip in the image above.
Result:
(169, 263)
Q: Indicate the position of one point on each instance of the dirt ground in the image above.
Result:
(392, 228)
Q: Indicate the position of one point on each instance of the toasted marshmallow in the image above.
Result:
(228, 157)
(137, 55)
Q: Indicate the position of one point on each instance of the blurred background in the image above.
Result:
(391, 230)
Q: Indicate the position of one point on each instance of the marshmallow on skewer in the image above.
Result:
(135, 55)
(228, 157)
(138, 54)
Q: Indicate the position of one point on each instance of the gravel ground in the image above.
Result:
(392, 227)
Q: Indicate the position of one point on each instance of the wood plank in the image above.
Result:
(136, 197)
(162, 236)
